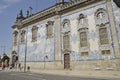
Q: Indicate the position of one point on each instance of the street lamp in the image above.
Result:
(25, 51)
(45, 57)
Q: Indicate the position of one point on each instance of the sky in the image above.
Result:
(8, 13)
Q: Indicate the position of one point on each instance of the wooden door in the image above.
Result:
(66, 61)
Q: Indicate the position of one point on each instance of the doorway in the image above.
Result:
(67, 61)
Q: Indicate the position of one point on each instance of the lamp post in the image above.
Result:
(25, 51)
(45, 57)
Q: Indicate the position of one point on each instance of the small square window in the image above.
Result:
(84, 54)
(105, 52)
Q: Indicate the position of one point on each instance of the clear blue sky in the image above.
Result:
(8, 12)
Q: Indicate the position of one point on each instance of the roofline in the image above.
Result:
(56, 9)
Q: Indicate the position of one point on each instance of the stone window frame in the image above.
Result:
(84, 54)
(15, 38)
(68, 39)
(49, 29)
(87, 42)
(105, 54)
(102, 26)
(66, 21)
(98, 13)
(23, 33)
(82, 19)
(34, 33)
(66, 31)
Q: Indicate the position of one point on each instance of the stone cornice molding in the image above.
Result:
(57, 9)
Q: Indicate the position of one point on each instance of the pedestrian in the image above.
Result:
(19, 66)
(3, 66)
(28, 68)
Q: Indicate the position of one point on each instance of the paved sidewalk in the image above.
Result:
(95, 74)
(89, 74)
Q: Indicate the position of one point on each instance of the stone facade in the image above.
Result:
(70, 20)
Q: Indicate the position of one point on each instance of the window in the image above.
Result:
(23, 37)
(85, 54)
(15, 38)
(105, 52)
(83, 39)
(100, 15)
(66, 25)
(66, 34)
(103, 35)
(82, 19)
(49, 31)
(66, 41)
(49, 27)
(34, 33)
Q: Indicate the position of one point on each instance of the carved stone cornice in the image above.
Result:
(57, 9)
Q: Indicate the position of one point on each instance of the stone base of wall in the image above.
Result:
(43, 65)
(96, 65)
(75, 65)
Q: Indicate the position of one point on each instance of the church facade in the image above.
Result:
(77, 35)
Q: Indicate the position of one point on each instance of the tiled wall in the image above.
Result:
(94, 48)
(36, 51)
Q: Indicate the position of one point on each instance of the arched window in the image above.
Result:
(23, 37)
(100, 14)
(15, 38)
(34, 33)
(82, 19)
(66, 34)
(66, 25)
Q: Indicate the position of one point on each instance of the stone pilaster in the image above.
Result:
(57, 38)
(113, 29)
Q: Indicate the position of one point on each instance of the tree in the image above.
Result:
(5, 57)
